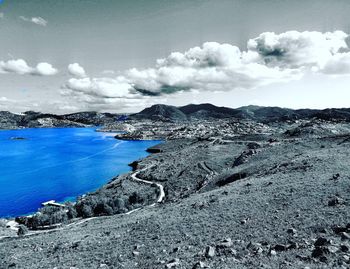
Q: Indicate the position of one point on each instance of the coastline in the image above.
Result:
(69, 199)
(252, 194)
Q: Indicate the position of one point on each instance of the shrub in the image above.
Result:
(103, 209)
(22, 230)
(119, 205)
(72, 212)
(135, 198)
(86, 211)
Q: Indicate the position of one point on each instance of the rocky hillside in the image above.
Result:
(161, 112)
(32, 119)
(250, 196)
(255, 113)
(166, 113)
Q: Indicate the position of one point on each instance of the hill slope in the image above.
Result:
(255, 113)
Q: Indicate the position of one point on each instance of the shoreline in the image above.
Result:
(10, 219)
(237, 195)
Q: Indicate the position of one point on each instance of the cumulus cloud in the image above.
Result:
(298, 49)
(21, 67)
(45, 69)
(18, 66)
(76, 70)
(36, 20)
(338, 64)
(103, 87)
(268, 58)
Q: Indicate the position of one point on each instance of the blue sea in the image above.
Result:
(59, 164)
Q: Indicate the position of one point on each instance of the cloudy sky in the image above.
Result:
(122, 55)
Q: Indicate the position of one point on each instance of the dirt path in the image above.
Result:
(134, 177)
(161, 196)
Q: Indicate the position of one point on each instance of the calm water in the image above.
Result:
(59, 164)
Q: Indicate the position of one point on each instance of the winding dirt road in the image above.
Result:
(134, 177)
(161, 196)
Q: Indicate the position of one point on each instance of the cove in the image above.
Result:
(37, 165)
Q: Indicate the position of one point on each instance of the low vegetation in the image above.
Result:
(97, 204)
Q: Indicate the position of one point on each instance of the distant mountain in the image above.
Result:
(92, 118)
(257, 113)
(161, 112)
(204, 111)
(8, 120)
(266, 113)
(31, 119)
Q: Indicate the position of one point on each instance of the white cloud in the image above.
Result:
(297, 49)
(45, 69)
(18, 66)
(338, 64)
(103, 87)
(215, 67)
(39, 21)
(21, 67)
(76, 70)
(36, 20)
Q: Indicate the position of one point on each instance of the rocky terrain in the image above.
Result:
(166, 113)
(255, 113)
(32, 119)
(272, 192)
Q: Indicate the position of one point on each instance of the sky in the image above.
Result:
(123, 55)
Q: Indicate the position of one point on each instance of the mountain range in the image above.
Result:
(161, 112)
(257, 113)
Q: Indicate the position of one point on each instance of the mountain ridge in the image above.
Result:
(257, 113)
(161, 112)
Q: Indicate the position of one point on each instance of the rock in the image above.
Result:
(321, 241)
(345, 236)
(339, 229)
(346, 258)
(134, 165)
(323, 259)
(273, 252)
(336, 176)
(319, 252)
(22, 230)
(104, 266)
(173, 263)
(243, 221)
(176, 249)
(200, 264)
(226, 243)
(253, 145)
(259, 250)
(253, 246)
(210, 252)
(293, 245)
(154, 150)
(336, 201)
(344, 248)
(280, 247)
(292, 231)
(18, 138)
(136, 253)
